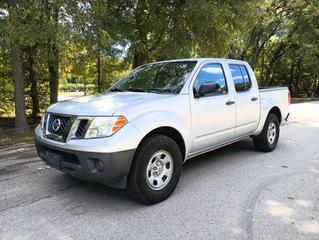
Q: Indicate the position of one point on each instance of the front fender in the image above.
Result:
(149, 121)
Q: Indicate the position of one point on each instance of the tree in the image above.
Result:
(143, 25)
(96, 42)
(33, 81)
(52, 9)
(93, 33)
(14, 21)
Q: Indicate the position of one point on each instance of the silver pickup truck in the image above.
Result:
(138, 134)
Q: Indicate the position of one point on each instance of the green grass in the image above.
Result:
(9, 138)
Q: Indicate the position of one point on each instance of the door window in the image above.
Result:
(211, 73)
(241, 77)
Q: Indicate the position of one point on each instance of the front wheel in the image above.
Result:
(156, 170)
(267, 140)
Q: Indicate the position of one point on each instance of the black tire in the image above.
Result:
(262, 142)
(138, 186)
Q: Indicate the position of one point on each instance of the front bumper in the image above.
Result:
(82, 164)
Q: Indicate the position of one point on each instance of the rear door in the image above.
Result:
(213, 114)
(247, 99)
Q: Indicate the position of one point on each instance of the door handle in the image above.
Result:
(230, 102)
(254, 99)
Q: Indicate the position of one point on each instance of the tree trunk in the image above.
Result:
(291, 77)
(139, 59)
(53, 66)
(34, 89)
(299, 66)
(52, 12)
(262, 69)
(98, 65)
(21, 125)
(270, 82)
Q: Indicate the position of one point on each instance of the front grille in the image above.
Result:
(63, 128)
(81, 128)
(57, 124)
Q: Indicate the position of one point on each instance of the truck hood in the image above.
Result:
(105, 104)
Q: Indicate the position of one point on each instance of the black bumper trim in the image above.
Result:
(81, 164)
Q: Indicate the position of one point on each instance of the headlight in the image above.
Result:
(105, 126)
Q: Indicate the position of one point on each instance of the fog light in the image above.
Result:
(99, 166)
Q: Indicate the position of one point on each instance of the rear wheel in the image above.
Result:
(268, 138)
(156, 170)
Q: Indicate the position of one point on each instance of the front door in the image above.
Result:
(212, 114)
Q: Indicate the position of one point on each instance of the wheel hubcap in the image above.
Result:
(271, 135)
(159, 170)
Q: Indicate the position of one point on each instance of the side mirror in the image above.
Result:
(206, 88)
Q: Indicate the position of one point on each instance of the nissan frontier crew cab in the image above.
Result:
(138, 134)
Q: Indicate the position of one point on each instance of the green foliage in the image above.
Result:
(77, 87)
(6, 86)
(99, 41)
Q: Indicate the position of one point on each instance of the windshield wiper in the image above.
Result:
(158, 90)
(116, 90)
(150, 90)
(127, 90)
(134, 89)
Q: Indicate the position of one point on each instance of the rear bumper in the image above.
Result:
(83, 165)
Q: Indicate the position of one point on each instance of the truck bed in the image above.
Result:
(270, 96)
(268, 89)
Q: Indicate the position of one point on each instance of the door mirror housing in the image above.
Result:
(206, 88)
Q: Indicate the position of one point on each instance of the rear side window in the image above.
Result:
(212, 73)
(241, 77)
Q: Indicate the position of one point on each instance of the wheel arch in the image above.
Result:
(170, 132)
(264, 114)
(275, 110)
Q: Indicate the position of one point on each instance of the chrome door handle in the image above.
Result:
(230, 102)
(254, 99)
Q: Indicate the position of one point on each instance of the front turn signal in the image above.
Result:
(120, 122)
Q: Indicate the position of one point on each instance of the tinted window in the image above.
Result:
(240, 77)
(212, 73)
(166, 77)
(245, 76)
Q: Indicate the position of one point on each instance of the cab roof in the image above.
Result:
(204, 60)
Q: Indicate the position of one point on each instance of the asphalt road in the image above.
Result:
(231, 193)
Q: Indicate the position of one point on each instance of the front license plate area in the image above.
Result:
(52, 159)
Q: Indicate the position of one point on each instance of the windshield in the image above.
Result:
(166, 77)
